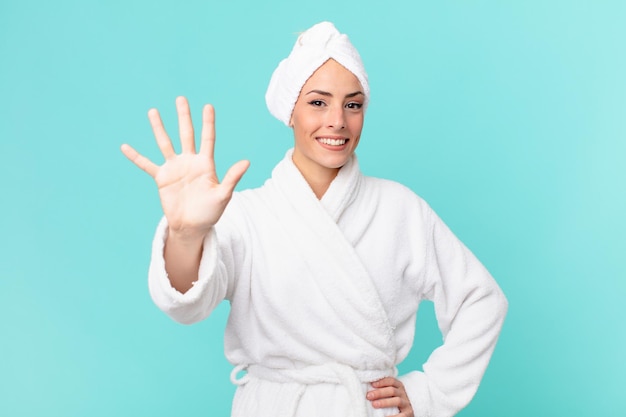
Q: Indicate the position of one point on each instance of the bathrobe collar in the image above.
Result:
(345, 280)
(340, 194)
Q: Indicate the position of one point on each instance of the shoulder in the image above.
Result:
(394, 193)
(251, 198)
(245, 205)
(388, 186)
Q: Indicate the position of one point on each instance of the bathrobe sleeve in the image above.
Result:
(215, 282)
(470, 310)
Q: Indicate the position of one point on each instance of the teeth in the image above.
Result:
(332, 142)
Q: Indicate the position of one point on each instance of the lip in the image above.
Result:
(331, 137)
(333, 147)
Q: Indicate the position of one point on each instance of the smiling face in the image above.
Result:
(327, 121)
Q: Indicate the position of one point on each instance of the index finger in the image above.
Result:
(388, 381)
(207, 144)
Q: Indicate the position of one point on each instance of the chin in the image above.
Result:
(335, 162)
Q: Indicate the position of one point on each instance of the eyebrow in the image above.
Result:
(326, 93)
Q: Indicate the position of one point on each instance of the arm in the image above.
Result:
(191, 195)
(470, 309)
(213, 279)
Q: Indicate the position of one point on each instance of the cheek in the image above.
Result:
(305, 124)
(356, 124)
(300, 131)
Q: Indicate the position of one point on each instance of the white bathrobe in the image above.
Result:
(324, 295)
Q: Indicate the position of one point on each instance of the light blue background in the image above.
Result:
(508, 117)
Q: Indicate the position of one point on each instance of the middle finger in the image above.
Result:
(185, 126)
(385, 392)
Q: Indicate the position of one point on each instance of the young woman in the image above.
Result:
(324, 267)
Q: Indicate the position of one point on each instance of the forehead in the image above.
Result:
(332, 75)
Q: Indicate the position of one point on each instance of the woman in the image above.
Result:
(324, 268)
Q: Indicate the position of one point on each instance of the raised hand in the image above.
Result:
(191, 195)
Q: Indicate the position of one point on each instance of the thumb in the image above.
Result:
(234, 174)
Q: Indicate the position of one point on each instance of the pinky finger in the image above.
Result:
(139, 160)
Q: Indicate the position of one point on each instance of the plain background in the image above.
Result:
(509, 118)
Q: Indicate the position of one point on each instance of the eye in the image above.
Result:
(316, 103)
(353, 105)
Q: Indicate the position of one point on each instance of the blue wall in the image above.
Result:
(508, 117)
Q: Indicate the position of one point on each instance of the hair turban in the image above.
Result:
(312, 49)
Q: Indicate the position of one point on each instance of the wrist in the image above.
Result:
(186, 237)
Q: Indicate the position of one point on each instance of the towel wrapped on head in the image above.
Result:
(312, 49)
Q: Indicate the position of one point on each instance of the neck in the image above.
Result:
(318, 178)
(320, 185)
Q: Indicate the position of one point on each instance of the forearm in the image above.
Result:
(454, 371)
(207, 285)
(182, 256)
(470, 309)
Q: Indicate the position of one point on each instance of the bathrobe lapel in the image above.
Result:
(334, 264)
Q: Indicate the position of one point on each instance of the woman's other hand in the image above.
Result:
(389, 392)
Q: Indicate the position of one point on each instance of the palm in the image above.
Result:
(188, 188)
(192, 197)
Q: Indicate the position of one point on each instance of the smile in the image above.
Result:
(332, 142)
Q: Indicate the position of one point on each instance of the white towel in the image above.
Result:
(312, 49)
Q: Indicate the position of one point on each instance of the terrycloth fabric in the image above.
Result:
(312, 49)
(324, 295)
(352, 381)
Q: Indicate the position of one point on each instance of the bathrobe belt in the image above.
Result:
(330, 373)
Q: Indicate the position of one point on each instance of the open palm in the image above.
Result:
(192, 197)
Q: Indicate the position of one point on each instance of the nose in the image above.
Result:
(336, 118)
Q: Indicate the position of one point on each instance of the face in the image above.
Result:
(327, 121)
